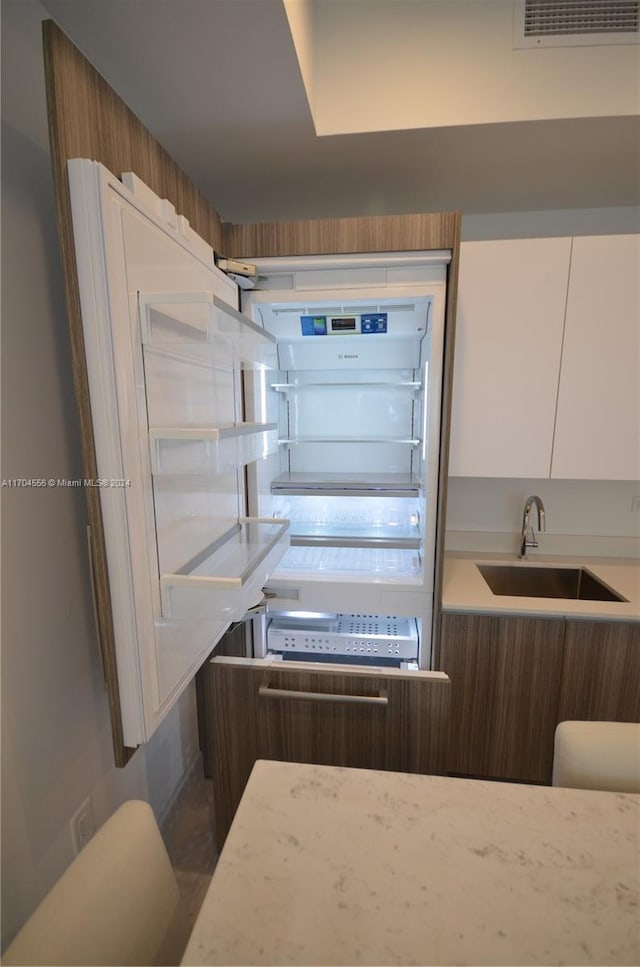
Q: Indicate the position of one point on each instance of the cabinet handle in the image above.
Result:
(266, 691)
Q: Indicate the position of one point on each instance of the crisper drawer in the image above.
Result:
(357, 563)
(226, 579)
(366, 580)
(333, 715)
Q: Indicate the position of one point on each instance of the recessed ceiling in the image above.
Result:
(218, 82)
(385, 65)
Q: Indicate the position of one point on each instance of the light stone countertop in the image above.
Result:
(325, 865)
(465, 590)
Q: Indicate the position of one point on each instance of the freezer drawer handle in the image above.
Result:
(266, 691)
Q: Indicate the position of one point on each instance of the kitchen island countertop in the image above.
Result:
(325, 865)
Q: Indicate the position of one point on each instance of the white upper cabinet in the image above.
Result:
(511, 304)
(597, 434)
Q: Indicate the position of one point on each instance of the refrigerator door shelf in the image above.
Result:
(203, 321)
(226, 579)
(210, 450)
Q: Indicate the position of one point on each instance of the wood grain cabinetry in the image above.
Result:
(345, 717)
(514, 678)
(601, 672)
(505, 681)
(233, 644)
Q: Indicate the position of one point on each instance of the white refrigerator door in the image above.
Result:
(166, 351)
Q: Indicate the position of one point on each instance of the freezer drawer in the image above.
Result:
(328, 714)
(361, 637)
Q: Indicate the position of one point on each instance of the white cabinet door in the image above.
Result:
(597, 433)
(166, 354)
(511, 304)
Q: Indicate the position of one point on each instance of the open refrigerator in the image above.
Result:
(268, 454)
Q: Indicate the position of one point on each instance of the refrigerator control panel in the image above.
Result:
(344, 325)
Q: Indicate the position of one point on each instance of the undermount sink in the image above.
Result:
(574, 583)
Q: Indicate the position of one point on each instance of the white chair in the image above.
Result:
(117, 904)
(597, 755)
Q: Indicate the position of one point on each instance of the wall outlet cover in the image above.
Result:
(82, 825)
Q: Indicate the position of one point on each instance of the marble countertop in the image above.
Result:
(465, 590)
(325, 865)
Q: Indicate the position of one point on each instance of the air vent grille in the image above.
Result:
(545, 18)
(356, 310)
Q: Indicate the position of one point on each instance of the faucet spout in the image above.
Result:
(528, 536)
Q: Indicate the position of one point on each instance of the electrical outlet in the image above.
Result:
(635, 503)
(82, 826)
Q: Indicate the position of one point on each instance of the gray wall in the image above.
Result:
(56, 737)
(550, 224)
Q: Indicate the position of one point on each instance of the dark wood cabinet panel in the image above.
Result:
(331, 236)
(234, 644)
(601, 672)
(368, 720)
(505, 681)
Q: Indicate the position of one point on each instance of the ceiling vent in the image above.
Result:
(574, 23)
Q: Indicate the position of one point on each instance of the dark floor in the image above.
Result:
(188, 836)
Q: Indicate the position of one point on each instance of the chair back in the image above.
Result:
(117, 904)
(597, 755)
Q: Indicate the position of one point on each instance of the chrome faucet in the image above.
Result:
(528, 533)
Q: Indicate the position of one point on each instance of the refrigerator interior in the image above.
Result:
(358, 413)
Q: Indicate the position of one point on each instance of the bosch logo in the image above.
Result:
(348, 356)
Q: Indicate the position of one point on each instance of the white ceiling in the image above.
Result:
(385, 65)
(219, 84)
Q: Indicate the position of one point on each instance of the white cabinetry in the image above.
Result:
(597, 433)
(511, 304)
(547, 363)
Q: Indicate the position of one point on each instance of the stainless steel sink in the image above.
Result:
(575, 583)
